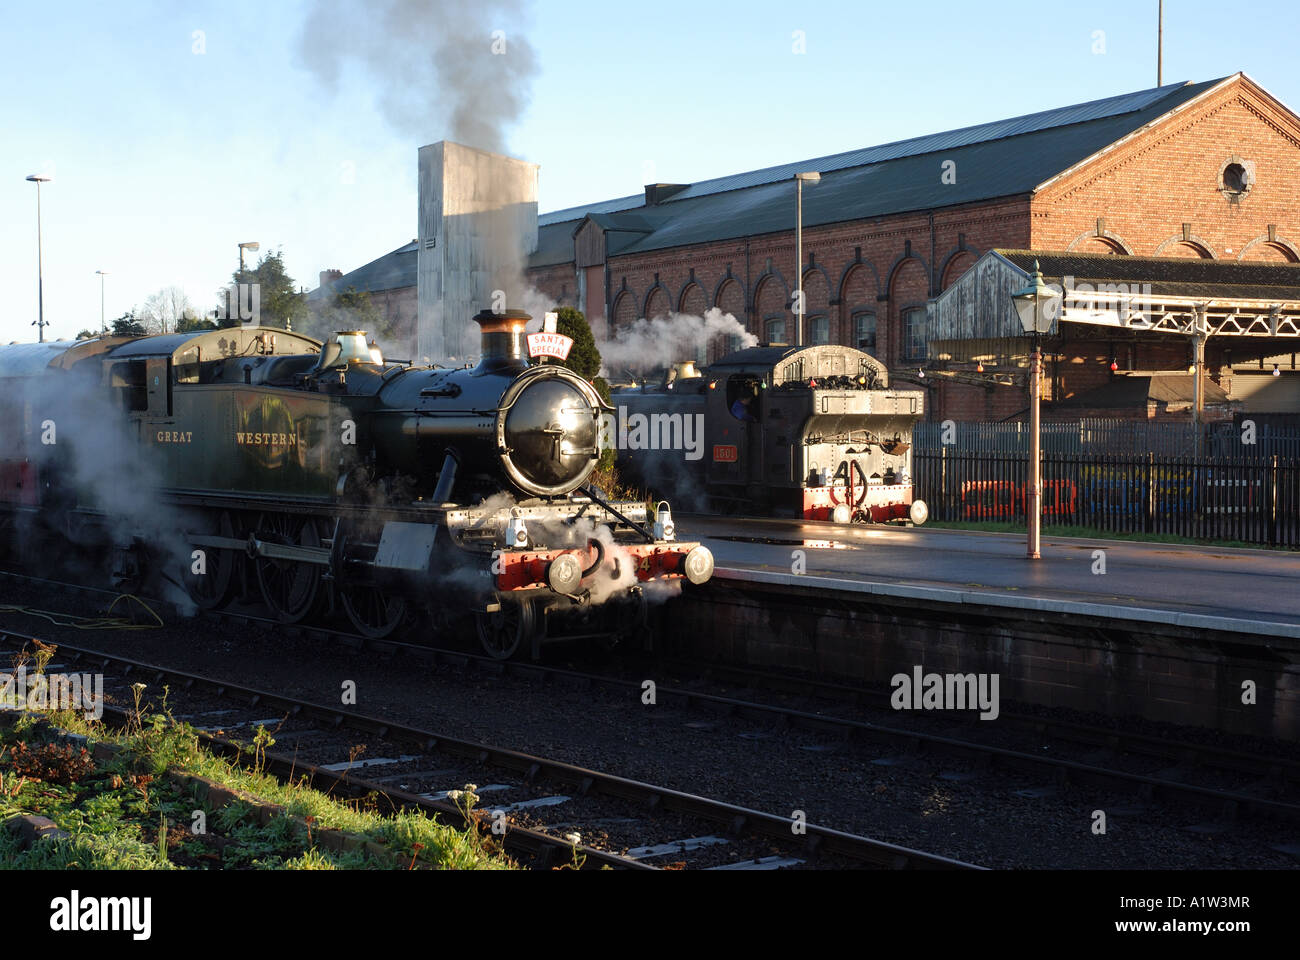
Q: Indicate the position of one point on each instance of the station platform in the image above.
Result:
(1183, 634)
(1228, 590)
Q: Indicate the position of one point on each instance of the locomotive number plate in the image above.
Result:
(725, 453)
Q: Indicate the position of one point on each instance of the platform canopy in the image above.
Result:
(1154, 294)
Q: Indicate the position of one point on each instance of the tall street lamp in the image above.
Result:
(246, 246)
(1037, 304)
(103, 328)
(799, 180)
(39, 323)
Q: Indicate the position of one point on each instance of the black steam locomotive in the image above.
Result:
(257, 462)
(811, 432)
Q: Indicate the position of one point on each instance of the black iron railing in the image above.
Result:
(1253, 500)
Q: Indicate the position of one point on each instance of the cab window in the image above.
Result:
(742, 397)
(187, 366)
(127, 377)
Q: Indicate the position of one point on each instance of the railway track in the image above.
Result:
(1271, 777)
(686, 829)
(1273, 774)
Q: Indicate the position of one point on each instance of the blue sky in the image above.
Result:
(166, 158)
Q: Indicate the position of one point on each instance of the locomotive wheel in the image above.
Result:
(210, 589)
(373, 612)
(503, 632)
(288, 587)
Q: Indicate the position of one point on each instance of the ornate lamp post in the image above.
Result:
(1037, 304)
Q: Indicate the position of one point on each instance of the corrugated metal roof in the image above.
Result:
(554, 245)
(984, 170)
(946, 140)
(604, 206)
(390, 272)
(1136, 109)
(555, 240)
(998, 159)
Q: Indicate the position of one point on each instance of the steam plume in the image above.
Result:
(465, 68)
(649, 344)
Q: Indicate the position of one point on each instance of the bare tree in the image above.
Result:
(163, 310)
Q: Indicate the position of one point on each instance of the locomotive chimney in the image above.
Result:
(502, 338)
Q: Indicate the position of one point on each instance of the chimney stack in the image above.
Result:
(502, 338)
(329, 276)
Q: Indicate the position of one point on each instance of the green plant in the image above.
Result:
(125, 814)
(575, 861)
(262, 741)
(44, 653)
(584, 357)
(137, 693)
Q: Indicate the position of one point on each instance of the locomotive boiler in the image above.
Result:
(255, 462)
(811, 432)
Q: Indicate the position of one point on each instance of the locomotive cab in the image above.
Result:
(813, 432)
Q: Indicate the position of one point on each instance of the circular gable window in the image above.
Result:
(1236, 178)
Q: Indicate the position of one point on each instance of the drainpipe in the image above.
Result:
(748, 289)
(934, 280)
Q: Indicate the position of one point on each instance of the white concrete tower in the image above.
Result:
(478, 224)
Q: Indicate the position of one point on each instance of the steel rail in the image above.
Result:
(817, 839)
(1282, 770)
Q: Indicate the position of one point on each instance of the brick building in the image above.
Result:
(390, 281)
(1193, 170)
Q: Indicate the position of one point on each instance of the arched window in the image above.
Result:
(819, 330)
(624, 311)
(775, 328)
(657, 304)
(914, 333)
(730, 300)
(864, 331)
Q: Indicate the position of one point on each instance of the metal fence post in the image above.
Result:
(1272, 500)
(1151, 493)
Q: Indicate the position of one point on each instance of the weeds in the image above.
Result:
(50, 763)
(262, 741)
(126, 814)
